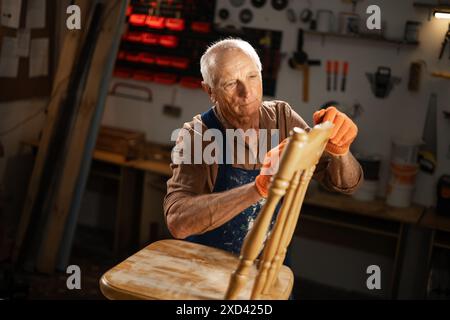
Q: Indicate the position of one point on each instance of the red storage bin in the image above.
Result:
(180, 63)
(165, 78)
(155, 22)
(122, 55)
(191, 82)
(138, 19)
(147, 58)
(163, 61)
(122, 73)
(150, 38)
(175, 24)
(168, 41)
(133, 57)
(144, 75)
(203, 27)
(133, 36)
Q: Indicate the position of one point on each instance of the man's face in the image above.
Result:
(238, 86)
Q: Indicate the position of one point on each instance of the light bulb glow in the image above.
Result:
(442, 15)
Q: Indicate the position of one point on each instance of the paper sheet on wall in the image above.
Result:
(23, 43)
(9, 61)
(36, 14)
(10, 13)
(39, 57)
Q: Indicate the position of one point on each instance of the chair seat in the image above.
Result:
(182, 270)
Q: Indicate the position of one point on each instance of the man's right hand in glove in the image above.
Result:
(269, 168)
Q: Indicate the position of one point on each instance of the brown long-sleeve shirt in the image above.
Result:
(341, 174)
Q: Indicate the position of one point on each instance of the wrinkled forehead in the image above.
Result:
(234, 55)
(231, 60)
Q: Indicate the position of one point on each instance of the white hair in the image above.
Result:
(208, 59)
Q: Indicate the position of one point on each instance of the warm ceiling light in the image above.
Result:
(442, 14)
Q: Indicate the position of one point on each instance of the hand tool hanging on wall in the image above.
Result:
(444, 43)
(306, 14)
(279, 4)
(290, 13)
(258, 3)
(300, 61)
(329, 71)
(344, 76)
(427, 152)
(335, 73)
(224, 14)
(237, 3)
(246, 16)
(415, 71)
(382, 82)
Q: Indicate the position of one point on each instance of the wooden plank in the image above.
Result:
(70, 49)
(111, 27)
(377, 208)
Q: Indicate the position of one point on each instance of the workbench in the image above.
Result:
(136, 180)
(440, 236)
(333, 211)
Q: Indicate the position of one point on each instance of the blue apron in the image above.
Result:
(230, 236)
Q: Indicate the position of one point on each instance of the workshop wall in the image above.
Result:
(402, 113)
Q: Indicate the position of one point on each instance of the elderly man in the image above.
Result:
(216, 204)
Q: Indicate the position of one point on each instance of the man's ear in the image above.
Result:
(208, 90)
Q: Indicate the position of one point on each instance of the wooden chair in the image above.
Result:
(181, 270)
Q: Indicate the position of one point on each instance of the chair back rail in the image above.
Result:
(296, 168)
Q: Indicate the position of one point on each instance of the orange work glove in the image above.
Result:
(344, 130)
(269, 168)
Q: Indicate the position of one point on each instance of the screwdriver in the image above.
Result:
(329, 67)
(344, 76)
(336, 72)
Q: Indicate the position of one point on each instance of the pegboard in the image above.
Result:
(164, 40)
